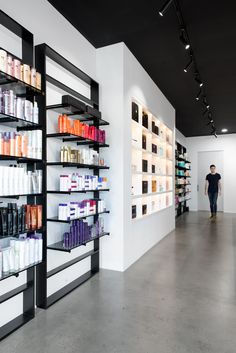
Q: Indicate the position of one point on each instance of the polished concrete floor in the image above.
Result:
(178, 298)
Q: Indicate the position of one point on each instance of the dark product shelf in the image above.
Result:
(87, 115)
(182, 160)
(17, 272)
(59, 246)
(21, 124)
(16, 84)
(74, 192)
(67, 137)
(18, 196)
(18, 233)
(78, 165)
(181, 168)
(182, 176)
(19, 159)
(55, 219)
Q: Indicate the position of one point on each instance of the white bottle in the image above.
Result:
(35, 113)
(17, 255)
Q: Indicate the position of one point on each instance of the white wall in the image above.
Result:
(49, 26)
(134, 238)
(180, 138)
(227, 144)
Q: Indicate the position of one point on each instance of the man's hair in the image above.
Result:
(212, 166)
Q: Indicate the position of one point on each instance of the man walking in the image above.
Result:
(213, 189)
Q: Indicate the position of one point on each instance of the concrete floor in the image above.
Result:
(178, 298)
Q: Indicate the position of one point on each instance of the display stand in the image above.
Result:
(182, 180)
(26, 290)
(89, 113)
(152, 165)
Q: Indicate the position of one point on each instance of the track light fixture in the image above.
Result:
(198, 80)
(199, 94)
(188, 65)
(205, 111)
(183, 38)
(206, 103)
(165, 7)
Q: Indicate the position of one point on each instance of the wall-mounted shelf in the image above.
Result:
(74, 192)
(181, 156)
(55, 219)
(77, 165)
(66, 137)
(75, 106)
(18, 196)
(87, 115)
(16, 274)
(14, 83)
(26, 301)
(19, 124)
(60, 247)
(19, 159)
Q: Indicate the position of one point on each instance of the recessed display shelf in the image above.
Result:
(18, 196)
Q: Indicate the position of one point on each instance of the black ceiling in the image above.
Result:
(154, 40)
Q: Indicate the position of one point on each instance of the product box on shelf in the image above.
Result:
(145, 120)
(144, 187)
(145, 165)
(135, 111)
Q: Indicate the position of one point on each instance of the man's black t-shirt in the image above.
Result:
(213, 180)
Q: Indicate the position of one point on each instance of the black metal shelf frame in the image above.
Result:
(86, 110)
(31, 93)
(181, 207)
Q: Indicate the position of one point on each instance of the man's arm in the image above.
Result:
(206, 186)
(219, 186)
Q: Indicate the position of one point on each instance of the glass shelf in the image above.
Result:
(67, 137)
(78, 165)
(59, 245)
(181, 168)
(17, 85)
(17, 196)
(74, 192)
(83, 115)
(25, 232)
(55, 219)
(18, 272)
(12, 121)
(19, 159)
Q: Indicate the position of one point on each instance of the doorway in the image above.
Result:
(205, 159)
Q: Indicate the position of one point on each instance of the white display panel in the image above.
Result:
(151, 164)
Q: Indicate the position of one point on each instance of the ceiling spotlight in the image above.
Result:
(165, 7)
(224, 130)
(199, 95)
(188, 65)
(211, 121)
(197, 79)
(183, 38)
(205, 102)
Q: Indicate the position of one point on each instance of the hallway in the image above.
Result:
(178, 298)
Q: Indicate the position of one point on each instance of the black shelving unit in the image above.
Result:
(86, 110)
(31, 93)
(180, 152)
